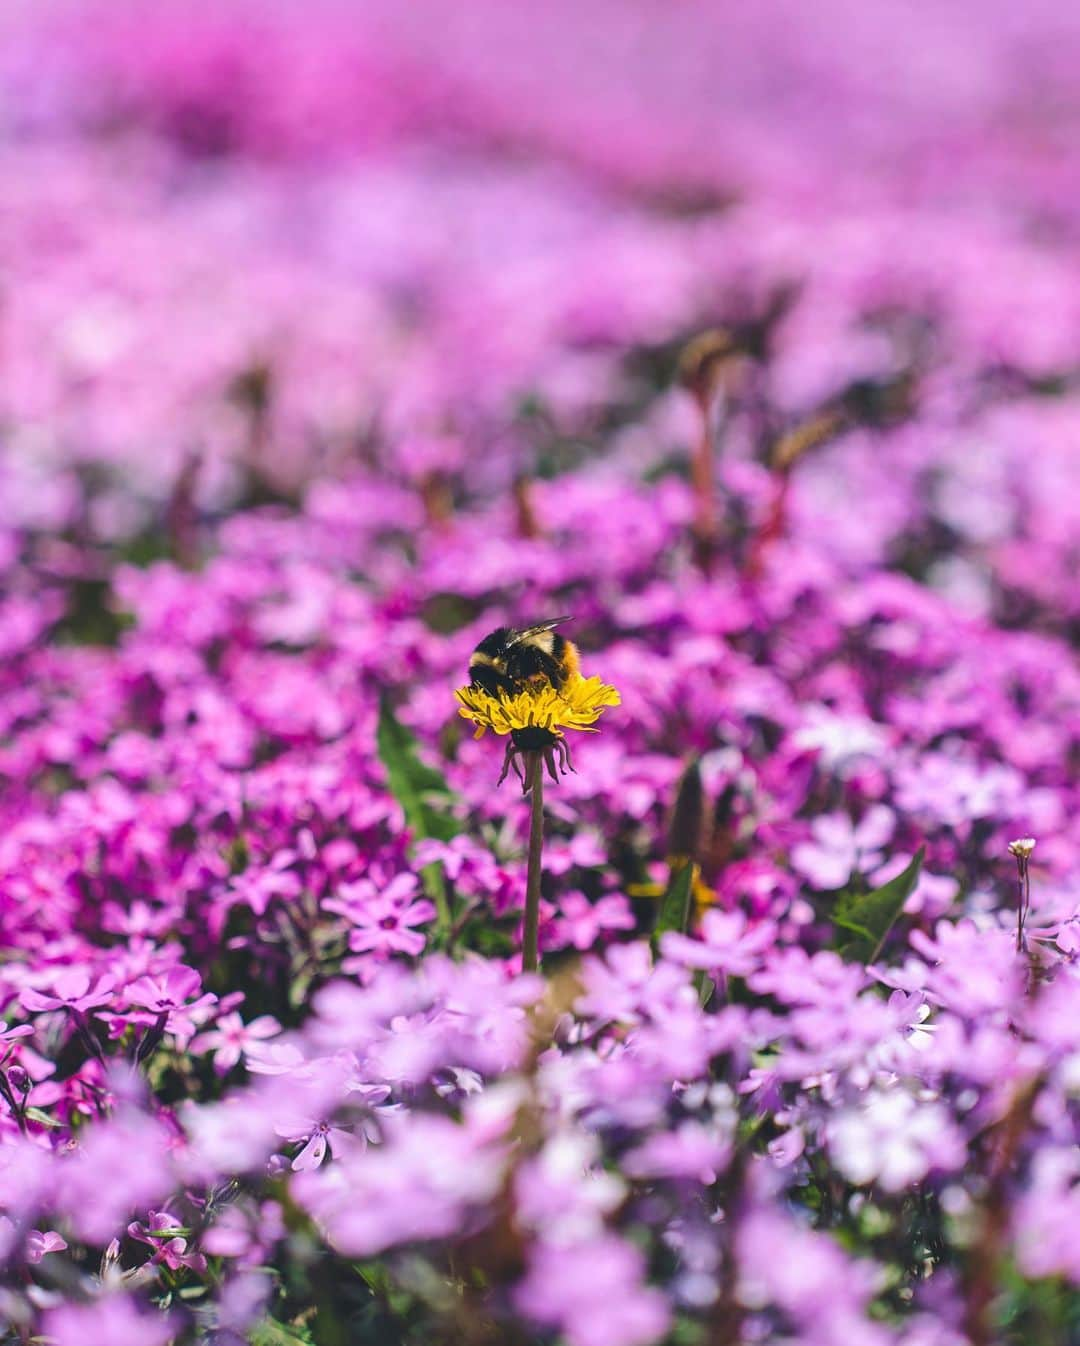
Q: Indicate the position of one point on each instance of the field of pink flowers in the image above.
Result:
(335, 335)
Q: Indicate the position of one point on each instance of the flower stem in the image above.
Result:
(534, 775)
(703, 478)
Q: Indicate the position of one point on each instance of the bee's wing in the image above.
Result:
(528, 631)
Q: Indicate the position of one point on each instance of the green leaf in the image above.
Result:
(420, 789)
(870, 916)
(272, 1333)
(42, 1118)
(674, 911)
(423, 794)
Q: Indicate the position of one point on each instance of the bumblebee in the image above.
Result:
(509, 660)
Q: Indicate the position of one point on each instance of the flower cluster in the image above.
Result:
(333, 341)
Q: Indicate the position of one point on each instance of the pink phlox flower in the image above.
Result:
(839, 738)
(275, 1057)
(383, 923)
(352, 900)
(972, 971)
(421, 1183)
(69, 989)
(15, 1032)
(137, 921)
(563, 1191)
(231, 1037)
(320, 1138)
(808, 1276)
(594, 1291)
(580, 922)
(840, 847)
(953, 792)
(894, 1139)
(174, 994)
(39, 1243)
(623, 985)
(691, 1151)
(1045, 1215)
(373, 1109)
(583, 849)
(796, 977)
(112, 1320)
(259, 885)
(168, 1239)
(911, 1013)
(729, 943)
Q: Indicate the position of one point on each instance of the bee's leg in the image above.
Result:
(491, 680)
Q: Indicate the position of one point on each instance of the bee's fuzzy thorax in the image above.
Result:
(508, 659)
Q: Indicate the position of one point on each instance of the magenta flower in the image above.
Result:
(165, 1002)
(70, 989)
(320, 1138)
(728, 943)
(893, 1139)
(580, 922)
(230, 1038)
(168, 1238)
(110, 1321)
(841, 848)
(260, 885)
(384, 922)
(40, 1243)
(691, 1152)
(594, 1292)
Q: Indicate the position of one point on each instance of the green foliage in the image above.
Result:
(272, 1333)
(422, 791)
(674, 911)
(868, 917)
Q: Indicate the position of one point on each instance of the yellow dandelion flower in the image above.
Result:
(535, 719)
(577, 704)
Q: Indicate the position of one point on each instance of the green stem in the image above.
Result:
(534, 773)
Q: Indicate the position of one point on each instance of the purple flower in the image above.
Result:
(893, 1139)
(231, 1038)
(14, 1033)
(383, 922)
(70, 989)
(419, 1184)
(593, 1292)
(168, 1238)
(691, 1151)
(174, 995)
(729, 943)
(260, 885)
(320, 1138)
(563, 1193)
(581, 922)
(165, 991)
(39, 1244)
(841, 848)
(111, 1321)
